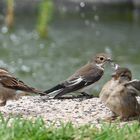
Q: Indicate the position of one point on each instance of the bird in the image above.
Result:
(83, 78)
(109, 86)
(117, 95)
(10, 85)
(134, 86)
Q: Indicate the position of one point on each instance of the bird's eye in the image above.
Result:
(122, 75)
(101, 58)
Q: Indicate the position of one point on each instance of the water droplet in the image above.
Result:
(25, 68)
(108, 50)
(13, 37)
(96, 18)
(2, 64)
(82, 4)
(4, 29)
(87, 22)
(64, 9)
(41, 46)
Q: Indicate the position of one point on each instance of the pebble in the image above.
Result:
(68, 110)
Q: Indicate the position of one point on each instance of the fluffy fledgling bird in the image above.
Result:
(83, 78)
(119, 94)
(109, 86)
(9, 85)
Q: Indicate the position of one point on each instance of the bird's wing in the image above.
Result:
(11, 82)
(133, 87)
(84, 77)
(135, 83)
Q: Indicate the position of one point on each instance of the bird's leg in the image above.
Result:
(124, 119)
(86, 95)
(17, 97)
(114, 115)
(111, 118)
(59, 95)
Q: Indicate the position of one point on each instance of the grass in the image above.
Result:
(17, 128)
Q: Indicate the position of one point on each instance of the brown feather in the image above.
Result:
(87, 72)
(8, 81)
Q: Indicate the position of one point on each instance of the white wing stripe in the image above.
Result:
(75, 82)
(56, 91)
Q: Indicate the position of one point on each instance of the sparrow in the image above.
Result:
(118, 96)
(134, 86)
(83, 78)
(9, 86)
(110, 85)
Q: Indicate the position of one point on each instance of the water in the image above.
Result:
(72, 42)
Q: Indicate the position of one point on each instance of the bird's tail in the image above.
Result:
(57, 89)
(36, 91)
(29, 90)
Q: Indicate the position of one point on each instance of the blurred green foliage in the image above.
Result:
(44, 17)
(9, 19)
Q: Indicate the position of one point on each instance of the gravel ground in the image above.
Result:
(74, 110)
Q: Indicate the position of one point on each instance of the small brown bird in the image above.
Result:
(83, 78)
(110, 85)
(107, 89)
(134, 86)
(9, 86)
(119, 97)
